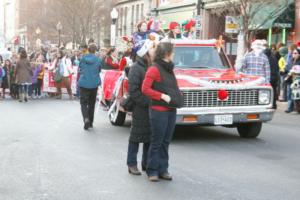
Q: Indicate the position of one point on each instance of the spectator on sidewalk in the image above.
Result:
(289, 78)
(283, 51)
(274, 74)
(111, 59)
(5, 79)
(63, 65)
(23, 75)
(256, 62)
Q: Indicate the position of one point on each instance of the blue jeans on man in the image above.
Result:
(162, 127)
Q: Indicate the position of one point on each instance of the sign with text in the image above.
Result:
(231, 25)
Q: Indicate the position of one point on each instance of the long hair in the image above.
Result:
(23, 54)
(163, 50)
(110, 51)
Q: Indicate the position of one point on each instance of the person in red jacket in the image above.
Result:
(160, 85)
(111, 59)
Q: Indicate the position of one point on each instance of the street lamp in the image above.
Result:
(38, 40)
(114, 16)
(59, 28)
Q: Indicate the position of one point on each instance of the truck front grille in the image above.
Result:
(209, 98)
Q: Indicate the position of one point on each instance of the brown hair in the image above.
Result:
(110, 51)
(163, 49)
(92, 48)
(23, 54)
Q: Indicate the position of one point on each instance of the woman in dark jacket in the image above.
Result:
(160, 85)
(23, 75)
(140, 128)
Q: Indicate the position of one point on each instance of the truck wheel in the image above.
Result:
(249, 130)
(116, 117)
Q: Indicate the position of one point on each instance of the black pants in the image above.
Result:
(39, 87)
(275, 95)
(87, 102)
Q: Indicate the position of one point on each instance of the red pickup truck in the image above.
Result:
(214, 93)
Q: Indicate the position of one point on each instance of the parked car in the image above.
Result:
(214, 93)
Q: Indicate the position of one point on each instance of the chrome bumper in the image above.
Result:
(239, 115)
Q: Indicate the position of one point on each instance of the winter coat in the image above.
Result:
(89, 70)
(273, 67)
(23, 72)
(140, 127)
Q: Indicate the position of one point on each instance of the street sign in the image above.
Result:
(283, 25)
(231, 25)
(198, 23)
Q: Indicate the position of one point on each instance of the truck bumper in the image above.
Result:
(236, 117)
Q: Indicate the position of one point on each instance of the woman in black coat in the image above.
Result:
(140, 128)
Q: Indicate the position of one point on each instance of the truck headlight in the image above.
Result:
(264, 97)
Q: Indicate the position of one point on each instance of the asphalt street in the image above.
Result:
(46, 155)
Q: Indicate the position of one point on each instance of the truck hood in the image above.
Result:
(216, 78)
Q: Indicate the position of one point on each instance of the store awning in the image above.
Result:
(277, 14)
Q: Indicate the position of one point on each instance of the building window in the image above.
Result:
(142, 11)
(132, 19)
(125, 20)
(137, 13)
(121, 21)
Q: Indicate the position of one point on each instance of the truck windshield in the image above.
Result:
(200, 58)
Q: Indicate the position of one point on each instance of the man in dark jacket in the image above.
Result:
(274, 75)
(89, 81)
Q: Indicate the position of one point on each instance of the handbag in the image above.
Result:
(56, 76)
(127, 103)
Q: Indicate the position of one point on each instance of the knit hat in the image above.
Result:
(283, 51)
(148, 44)
(173, 25)
(190, 24)
(149, 24)
(258, 45)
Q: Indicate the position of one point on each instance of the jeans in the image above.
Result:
(23, 91)
(162, 127)
(87, 102)
(32, 89)
(133, 148)
(289, 99)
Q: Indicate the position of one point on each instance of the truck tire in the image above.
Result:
(249, 130)
(116, 117)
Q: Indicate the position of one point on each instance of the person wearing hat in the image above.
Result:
(256, 62)
(190, 32)
(174, 32)
(140, 127)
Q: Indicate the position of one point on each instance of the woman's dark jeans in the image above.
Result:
(162, 130)
(133, 148)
